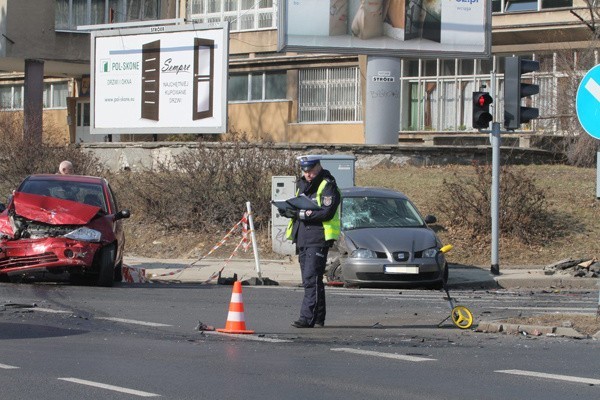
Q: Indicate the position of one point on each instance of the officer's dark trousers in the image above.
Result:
(312, 264)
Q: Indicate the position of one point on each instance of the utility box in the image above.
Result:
(341, 167)
(282, 188)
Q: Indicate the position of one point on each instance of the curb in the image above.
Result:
(531, 330)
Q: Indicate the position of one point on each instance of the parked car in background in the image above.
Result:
(385, 241)
(63, 224)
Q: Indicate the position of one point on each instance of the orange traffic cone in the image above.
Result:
(235, 318)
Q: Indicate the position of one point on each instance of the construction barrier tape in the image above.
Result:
(244, 242)
(133, 275)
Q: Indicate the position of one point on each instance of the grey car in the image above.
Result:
(385, 241)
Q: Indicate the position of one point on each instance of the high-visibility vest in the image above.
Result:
(331, 228)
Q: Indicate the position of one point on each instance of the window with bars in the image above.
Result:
(329, 95)
(242, 15)
(71, 13)
(55, 96)
(258, 86)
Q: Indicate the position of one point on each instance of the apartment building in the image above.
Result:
(300, 97)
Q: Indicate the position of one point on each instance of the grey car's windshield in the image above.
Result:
(378, 212)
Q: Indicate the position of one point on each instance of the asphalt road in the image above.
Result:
(140, 340)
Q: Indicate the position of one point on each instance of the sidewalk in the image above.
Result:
(287, 273)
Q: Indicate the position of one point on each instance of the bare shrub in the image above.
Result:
(206, 189)
(20, 157)
(523, 212)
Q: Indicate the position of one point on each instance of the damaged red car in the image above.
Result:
(62, 224)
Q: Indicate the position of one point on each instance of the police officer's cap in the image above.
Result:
(308, 162)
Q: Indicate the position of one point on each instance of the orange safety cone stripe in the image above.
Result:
(236, 307)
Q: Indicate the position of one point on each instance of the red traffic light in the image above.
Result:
(484, 99)
(481, 110)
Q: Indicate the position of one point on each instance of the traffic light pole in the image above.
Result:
(495, 200)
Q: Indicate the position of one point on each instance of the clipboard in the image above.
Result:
(302, 202)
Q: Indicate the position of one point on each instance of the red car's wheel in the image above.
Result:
(106, 266)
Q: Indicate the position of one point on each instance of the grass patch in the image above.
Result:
(570, 194)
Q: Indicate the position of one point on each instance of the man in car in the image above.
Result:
(314, 232)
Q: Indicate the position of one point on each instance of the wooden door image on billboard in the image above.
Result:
(204, 57)
(150, 79)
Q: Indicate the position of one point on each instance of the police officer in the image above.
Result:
(314, 232)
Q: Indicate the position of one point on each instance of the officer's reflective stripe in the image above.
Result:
(332, 227)
(235, 316)
(290, 226)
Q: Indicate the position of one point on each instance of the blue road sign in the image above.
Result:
(587, 103)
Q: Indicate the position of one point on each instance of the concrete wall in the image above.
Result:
(143, 156)
(31, 28)
(55, 130)
(3, 41)
(271, 121)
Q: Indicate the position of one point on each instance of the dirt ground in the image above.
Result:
(585, 324)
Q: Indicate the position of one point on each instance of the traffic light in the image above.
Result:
(481, 110)
(514, 90)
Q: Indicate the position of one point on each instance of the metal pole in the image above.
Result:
(253, 236)
(495, 200)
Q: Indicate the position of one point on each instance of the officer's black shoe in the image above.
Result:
(301, 324)
(319, 324)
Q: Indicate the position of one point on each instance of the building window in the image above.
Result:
(329, 95)
(55, 96)
(71, 13)
(528, 5)
(242, 15)
(11, 97)
(258, 86)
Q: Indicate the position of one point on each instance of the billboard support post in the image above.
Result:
(382, 117)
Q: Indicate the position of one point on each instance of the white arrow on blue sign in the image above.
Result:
(587, 103)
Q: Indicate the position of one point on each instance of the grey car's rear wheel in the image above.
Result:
(106, 266)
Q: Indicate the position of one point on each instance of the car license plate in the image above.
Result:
(401, 269)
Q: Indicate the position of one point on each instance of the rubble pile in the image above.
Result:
(584, 268)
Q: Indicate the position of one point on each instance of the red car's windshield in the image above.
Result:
(82, 192)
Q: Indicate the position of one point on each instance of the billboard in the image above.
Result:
(413, 28)
(159, 80)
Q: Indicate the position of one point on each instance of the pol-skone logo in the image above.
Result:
(104, 65)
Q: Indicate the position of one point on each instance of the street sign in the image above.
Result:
(587, 103)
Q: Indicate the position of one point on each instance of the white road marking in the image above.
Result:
(110, 387)
(567, 378)
(594, 89)
(384, 355)
(250, 337)
(123, 320)
(133, 321)
(4, 366)
(53, 311)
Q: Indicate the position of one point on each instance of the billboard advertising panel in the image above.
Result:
(413, 28)
(159, 80)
